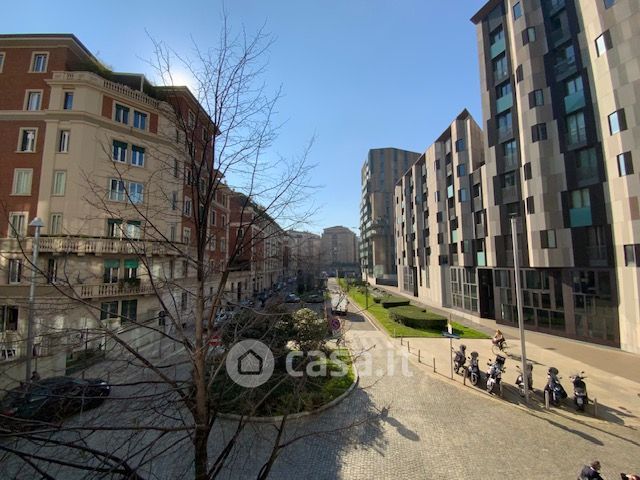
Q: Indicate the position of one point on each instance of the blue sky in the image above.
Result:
(357, 74)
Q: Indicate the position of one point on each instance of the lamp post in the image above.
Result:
(516, 267)
(37, 223)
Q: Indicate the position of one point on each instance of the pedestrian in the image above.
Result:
(591, 471)
(35, 376)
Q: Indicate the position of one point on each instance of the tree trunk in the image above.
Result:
(201, 414)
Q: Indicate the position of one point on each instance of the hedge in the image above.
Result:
(389, 302)
(414, 317)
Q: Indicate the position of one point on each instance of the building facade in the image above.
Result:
(379, 174)
(339, 250)
(440, 220)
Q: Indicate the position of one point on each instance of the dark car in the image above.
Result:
(315, 298)
(292, 298)
(52, 399)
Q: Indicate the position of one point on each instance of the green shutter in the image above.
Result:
(111, 263)
(131, 263)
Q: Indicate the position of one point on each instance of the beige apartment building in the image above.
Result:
(96, 155)
(339, 250)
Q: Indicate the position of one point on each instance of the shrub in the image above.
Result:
(390, 301)
(414, 317)
(376, 299)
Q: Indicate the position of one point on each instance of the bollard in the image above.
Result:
(419, 356)
(464, 377)
(408, 347)
(401, 342)
(595, 408)
(394, 333)
(546, 399)
(434, 364)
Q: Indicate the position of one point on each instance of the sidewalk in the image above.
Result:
(613, 376)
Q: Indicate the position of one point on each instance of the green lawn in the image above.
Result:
(398, 330)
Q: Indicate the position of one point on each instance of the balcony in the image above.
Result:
(574, 102)
(580, 217)
(94, 246)
(477, 203)
(556, 37)
(505, 133)
(480, 230)
(587, 176)
(564, 68)
(555, 6)
(93, 79)
(504, 103)
(122, 288)
(509, 194)
(500, 75)
(597, 255)
(497, 48)
(481, 260)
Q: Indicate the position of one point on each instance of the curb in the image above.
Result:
(294, 416)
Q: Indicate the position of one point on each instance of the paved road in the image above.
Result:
(419, 427)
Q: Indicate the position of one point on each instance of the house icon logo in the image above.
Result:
(249, 363)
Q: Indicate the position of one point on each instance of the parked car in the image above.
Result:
(52, 399)
(292, 298)
(315, 298)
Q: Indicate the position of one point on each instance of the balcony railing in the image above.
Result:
(505, 133)
(597, 255)
(481, 260)
(98, 81)
(565, 67)
(500, 75)
(497, 48)
(95, 246)
(574, 102)
(115, 289)
(504, 103)
(580, 217)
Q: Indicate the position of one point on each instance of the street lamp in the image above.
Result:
(516, 267)
(37, 223)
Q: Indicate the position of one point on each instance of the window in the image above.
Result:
(191, 119)
(574, 85)
(500, 67)
(603, 43)
(122, 114)
(114, 228)
(505, 123)
(508, 180)
(174, 200)
(15, 270)
(8, 321)
(496, 35)
(607, 4)
(576, 128)
(137, 156)
(136, 193)
(55, 224)
(586, 165)
(129, 311)
(52, 270)
(528, 35)
(463, 195)
(536, 98)
(503, 89)
(32, 101)
(172, 232)
(617, 121)
(183, 301)
(39, 62)
(116, 190)
(175, 167)
(22, 181)
(530, 206)
(580, 198)
(59, 182)
(133, 229)
(130, 268)
(63, 141)
(119, 151)
(213, 218)
(460, 145)
(517, 10)
(1, 61)
(108, 310)
(17, 224)
(111, 271)
(625, 166)
(185, 268)
(68, 101)
(519, 73)
(187, 206)
(631, 255)
(139, 120)
(462, 169)
(548, 239)
(186, 235)
(224, 221)
(28, 140)
(539, 132)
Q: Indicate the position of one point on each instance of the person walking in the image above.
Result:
(591, 471)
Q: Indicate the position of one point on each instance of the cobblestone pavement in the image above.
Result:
(410, 424)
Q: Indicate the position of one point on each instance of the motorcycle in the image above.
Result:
(473, 370)
(494, 374)
(580, 398)
(554, 388)
(460, 359)
(519, 381)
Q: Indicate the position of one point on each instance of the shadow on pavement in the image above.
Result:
(402, 430)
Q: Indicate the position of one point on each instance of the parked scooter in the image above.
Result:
(580, 398)
(460, 359)
(554, 389)
(494, 374)
(473, 370)
(519, 381)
